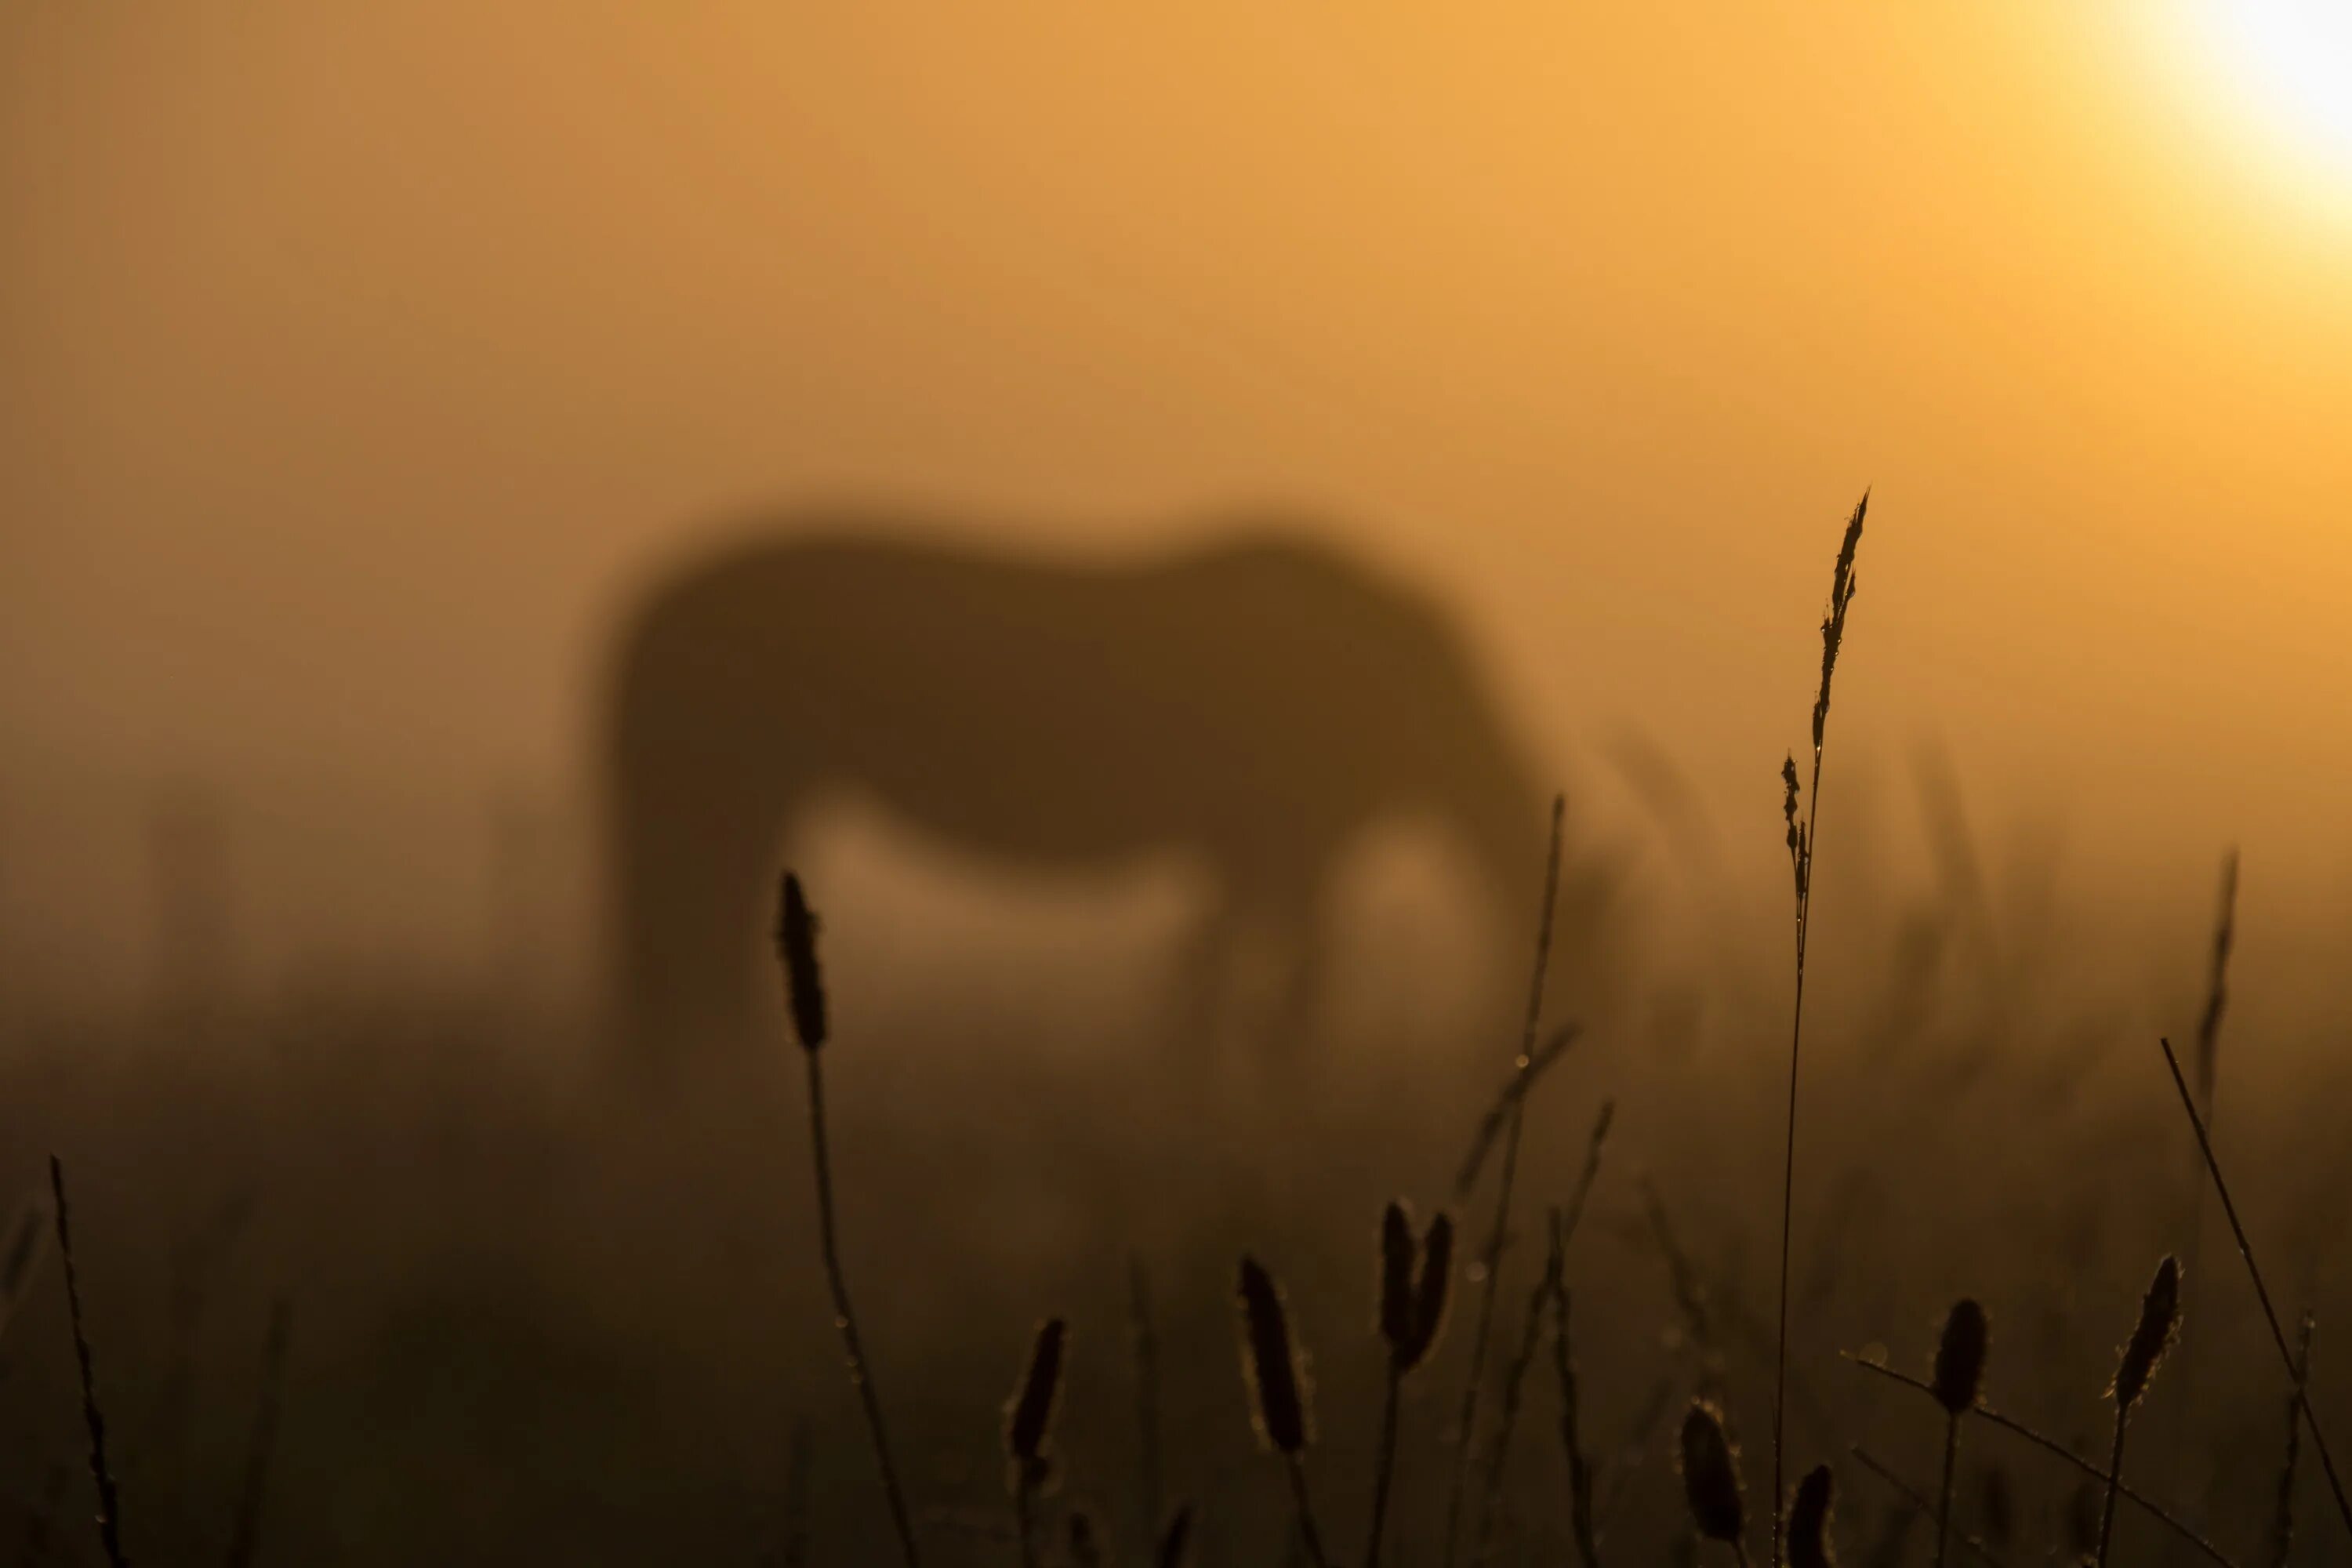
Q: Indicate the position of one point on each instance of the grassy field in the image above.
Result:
(526, 1319)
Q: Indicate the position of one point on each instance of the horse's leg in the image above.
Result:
(697, 846)
(1280, 905)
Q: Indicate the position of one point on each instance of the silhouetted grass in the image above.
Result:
(1800, 842)
(1959, 1383)
(1276, 1372)
(1710, 1469)
(1809, 1520)
(101, 1473)
(1416, 1284)
(2262, 1292)
(2283, 1518)
(2092, 1473)
(1514, 1112)
(804, 993)
(1029, 1430)
(1912, 1499)
(1583, 1527)
(1605, 1487)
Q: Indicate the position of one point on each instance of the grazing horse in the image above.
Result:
(1257, 702)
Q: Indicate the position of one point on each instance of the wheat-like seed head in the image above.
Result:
(1809, 1521)
(1960, 1358)
(1274, 1369)
(1174, 1539)
(1843, 584)
(1431, 1293)
(1396, 1275)
(1086, 1544)
(1029, 1415)
(796, 944)
(2160, 1325)
(1711, 1474)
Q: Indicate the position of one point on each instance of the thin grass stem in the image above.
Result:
(1386, 1476)
(2089, 1467)
(1475, 1376)
(1919, 1505)
(1801, 849)
(2262, 1292)
(110, 1505)
(1311, 1537)
(1944, 1496)
(861, 1374)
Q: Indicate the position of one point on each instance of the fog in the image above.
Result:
(361, 366)
(1274, 448)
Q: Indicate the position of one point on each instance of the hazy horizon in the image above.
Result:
(360, 368)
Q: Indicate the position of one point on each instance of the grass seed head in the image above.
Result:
(1272, 1366)
(1029, 1416)
(1396, 1277)
(2159, 1324)
(1711, 1474)
(1960, 1358)
(1809, 1521)
(1843, 584)
(1174, 1539)
(796, 944)
(1086, 1544)
(1431, 1293)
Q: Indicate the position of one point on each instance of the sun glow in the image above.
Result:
(2292, 60)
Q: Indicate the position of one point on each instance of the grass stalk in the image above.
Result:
(1710, 1469)
(1551, 1288)
(1416, 1285)
(1580, 1522)
(1800, 841)
(110, 1505)
(1490, 1494)
(2089, 1468)
(2159, 1324)
(1029, 1430)
(2262, 1292)
(2283, 1515)
(1920, 1506)
(1473, 1378)
(1295, 1466)
(804, 986)
(2207, 1062)
(1384, 1475)
(1281, 1398)
(1944, 1492)
(1174, 1539)
(2153, 1336)
(2115, 1474)
(1959, 1383)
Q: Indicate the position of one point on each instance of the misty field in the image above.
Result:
(366, 1279)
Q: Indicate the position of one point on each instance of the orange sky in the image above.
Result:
(353, 361)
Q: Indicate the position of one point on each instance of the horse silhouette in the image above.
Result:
(1258, 702)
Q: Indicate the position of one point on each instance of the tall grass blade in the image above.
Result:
(2262, 1292)
(1515, 1124)
(1800, 841)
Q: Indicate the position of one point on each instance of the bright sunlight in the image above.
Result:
(2293, 62)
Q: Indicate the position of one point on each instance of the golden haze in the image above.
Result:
(357, 361)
